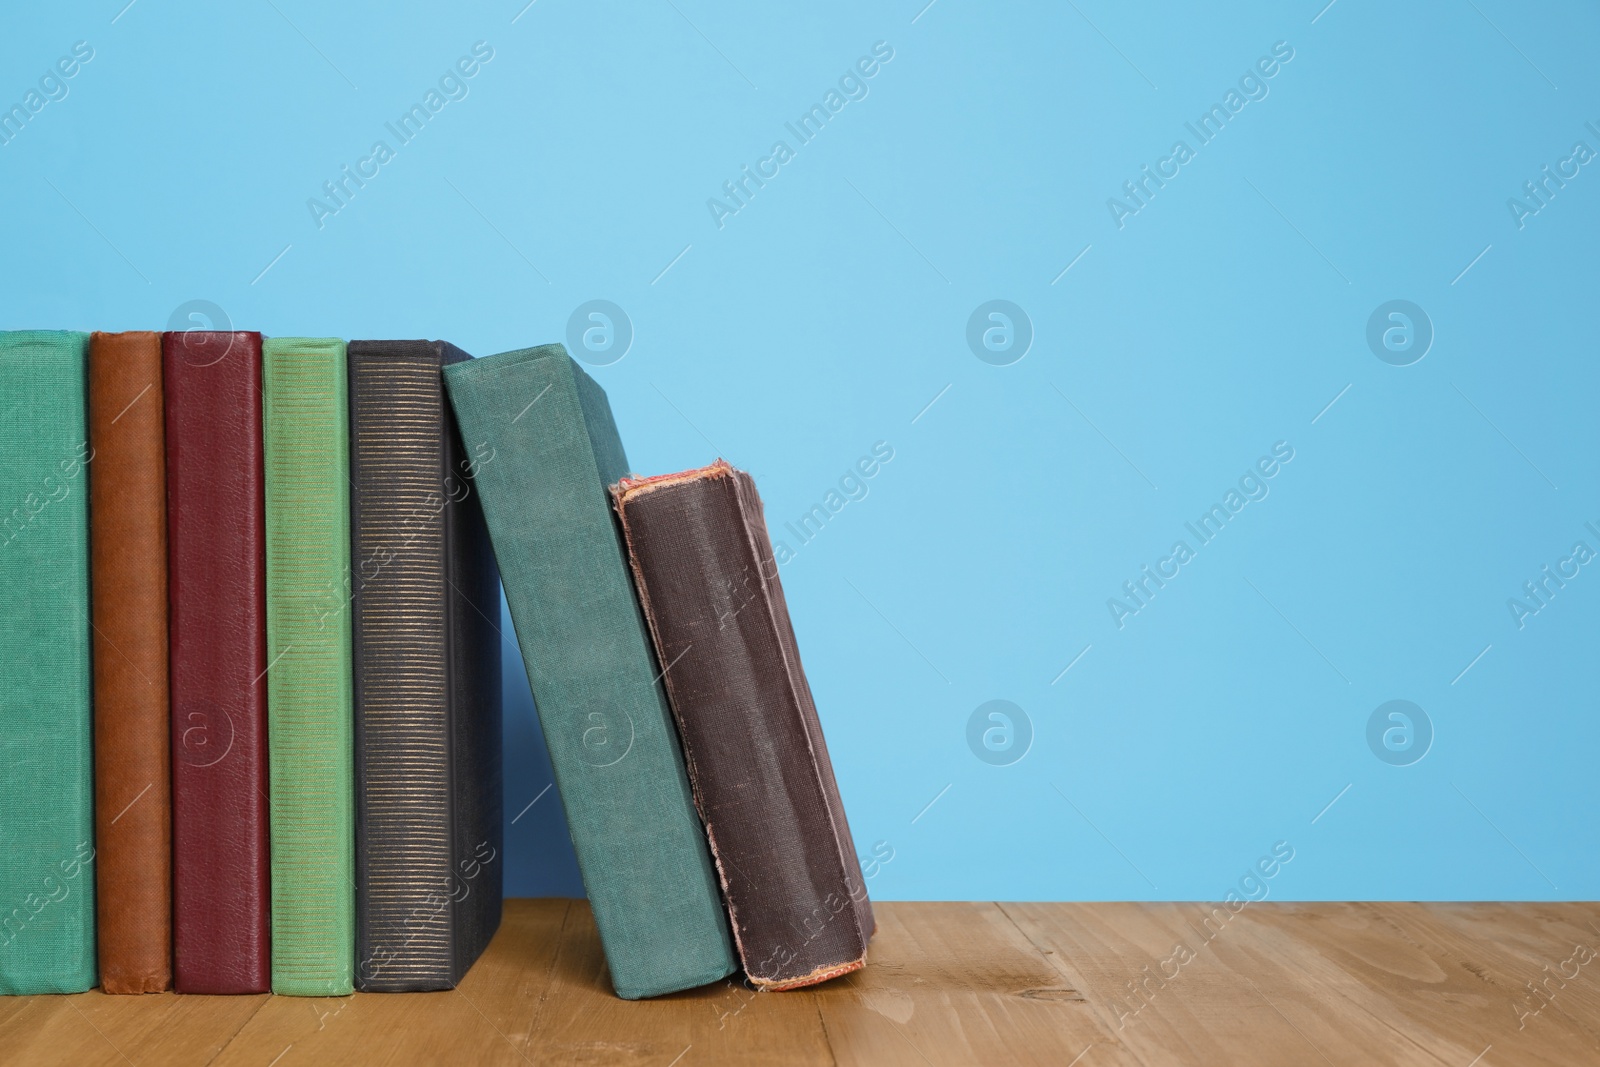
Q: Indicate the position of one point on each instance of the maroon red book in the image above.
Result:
(216, 539)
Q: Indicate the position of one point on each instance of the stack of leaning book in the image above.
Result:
(250, 714)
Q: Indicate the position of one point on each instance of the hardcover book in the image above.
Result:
(709, 585)
(309, 699)
(47, 891)
(424, 590)
(217, 633)
(552, 450)
(132, 724)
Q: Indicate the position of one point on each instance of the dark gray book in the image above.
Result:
(424, 593)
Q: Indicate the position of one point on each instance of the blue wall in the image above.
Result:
(1175, 345)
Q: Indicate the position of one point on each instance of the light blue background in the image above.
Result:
(829, 312)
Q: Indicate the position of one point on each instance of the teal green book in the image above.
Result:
(546, 448)
(47, 903)
(310, 701)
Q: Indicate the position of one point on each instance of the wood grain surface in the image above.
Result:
(1071, 985)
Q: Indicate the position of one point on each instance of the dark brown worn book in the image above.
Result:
(762, 780)
(128, 598)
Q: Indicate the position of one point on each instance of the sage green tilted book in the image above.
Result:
(47, 903)
(547, 449)
(310, 716)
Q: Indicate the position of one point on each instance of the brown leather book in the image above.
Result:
(128, 597)
(763, 783)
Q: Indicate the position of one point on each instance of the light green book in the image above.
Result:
(46, 762)
(310, 701)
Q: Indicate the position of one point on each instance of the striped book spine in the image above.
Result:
(427, 678)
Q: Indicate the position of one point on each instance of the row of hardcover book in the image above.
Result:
(250, 713)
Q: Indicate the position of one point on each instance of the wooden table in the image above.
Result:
(967, 983)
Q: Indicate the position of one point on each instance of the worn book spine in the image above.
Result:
(132, 723)
(47, 890)
(309, 699)
(551, 449)
(217, 633)
(424, 590)
(752, 740)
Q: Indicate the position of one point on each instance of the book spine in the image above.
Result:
(47, 890)
(751, 737)
(553, 448)
(218, 661)
(309, 708)
(132, 724)
(473, 645)
(398, 591)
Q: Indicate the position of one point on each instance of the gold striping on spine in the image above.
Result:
(398, 586)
